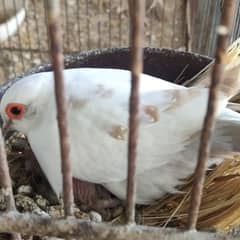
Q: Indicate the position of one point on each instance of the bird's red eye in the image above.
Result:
(15, 110)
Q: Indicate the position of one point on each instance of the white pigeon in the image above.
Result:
(171, 118)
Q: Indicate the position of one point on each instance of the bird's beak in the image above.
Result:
(6, 127)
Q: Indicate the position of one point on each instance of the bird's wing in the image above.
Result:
(98, 120)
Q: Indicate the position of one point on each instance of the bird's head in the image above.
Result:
(24, 102)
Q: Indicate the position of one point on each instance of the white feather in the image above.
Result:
(98, 101)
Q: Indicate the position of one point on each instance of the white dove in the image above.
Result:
(171, 118)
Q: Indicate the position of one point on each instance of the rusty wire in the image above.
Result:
(37, 28)
(78, 25)
(120, 23)
(8, 40)
(136, 68)
(88, 24)
(19, 36)
(109, 24)
(189, 26)
(209, 121)
(67, 24)
(57, 61)
(99, 23)
(28, 30)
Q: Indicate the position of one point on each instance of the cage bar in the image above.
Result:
(209, 122)
(57, 61)
(37, 29)
(136, 68)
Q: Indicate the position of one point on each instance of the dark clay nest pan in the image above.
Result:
(166, 64)
(169, 65)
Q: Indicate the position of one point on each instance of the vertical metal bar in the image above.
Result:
(211, 41)
(162, 24)
(151, 27)
(120, 24)
(88, 24)
(37, 29)
(174, 20)
(8, 39)
(53, 7)
(235, 33)
(202, 9)
(189, 24)
(209, 121)
(19, 36)
(207, 28)
(99, 23)
(67, 26)
(46, 23)
(137, 36)
(193, 12)
(5, 182)
(78, 25)
(110, 24)
(130, 12)
(28, 30)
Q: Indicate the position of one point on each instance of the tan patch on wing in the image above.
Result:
(77, 103)
(152, 113)
(119, 132)
(103, 92)
(181, 97)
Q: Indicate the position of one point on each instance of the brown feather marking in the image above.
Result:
(181, 98)
(102, 92)
(119, 132)
(152, 112)
(77, 103)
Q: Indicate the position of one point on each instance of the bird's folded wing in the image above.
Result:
(99, 130)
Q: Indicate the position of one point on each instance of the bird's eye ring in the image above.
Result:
(15, 110)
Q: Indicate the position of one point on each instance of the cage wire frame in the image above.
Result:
(178, 24)
(12, 221)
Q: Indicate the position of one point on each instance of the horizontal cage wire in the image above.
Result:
(105, 24)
